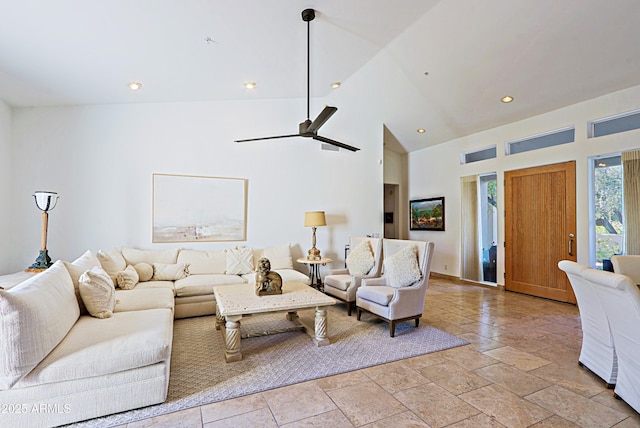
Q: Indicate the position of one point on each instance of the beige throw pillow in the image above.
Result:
(402, 269)
(170, 272)
(280, 257)
(144, 271)
(128, 278)
(239, 261)
(360, 259)
(98, 292)
(112, 262)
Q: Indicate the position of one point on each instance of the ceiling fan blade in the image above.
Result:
(324, 115)
(335, 143)
(268, 138)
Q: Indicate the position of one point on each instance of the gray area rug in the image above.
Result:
(200, 375)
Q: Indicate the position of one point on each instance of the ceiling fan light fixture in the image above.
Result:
(250, 85)
(134, 86)
(506, 99)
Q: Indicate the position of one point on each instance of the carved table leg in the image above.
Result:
(219, 318)
(232, 339)
(321, 338)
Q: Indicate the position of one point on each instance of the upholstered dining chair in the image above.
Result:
(621, 300)
(598, 352)
(399, 294)
(364, 261)
(627, 265)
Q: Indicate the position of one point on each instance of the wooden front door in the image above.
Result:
(540, 228)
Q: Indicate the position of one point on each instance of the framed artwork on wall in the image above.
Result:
(427, 214)
(188, 208)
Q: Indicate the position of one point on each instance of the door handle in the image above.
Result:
(571, 236)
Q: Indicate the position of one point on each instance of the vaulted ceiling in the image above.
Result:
(459, 56)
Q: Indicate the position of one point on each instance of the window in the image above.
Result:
(614, 124)
(541, 141)
(607, 224)
(479, 155)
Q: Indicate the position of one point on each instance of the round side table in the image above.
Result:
(314, 270)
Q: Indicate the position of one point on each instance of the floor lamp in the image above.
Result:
(45, 201)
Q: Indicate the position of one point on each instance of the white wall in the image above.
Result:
(5, 187)
(100, 159)
(436, 171)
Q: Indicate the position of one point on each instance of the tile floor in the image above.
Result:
(520, 370)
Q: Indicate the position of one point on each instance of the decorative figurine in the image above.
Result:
(267, 282)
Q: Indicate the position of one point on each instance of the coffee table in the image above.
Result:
(235, 301)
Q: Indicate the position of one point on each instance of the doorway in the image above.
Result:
(391, 202)
(540, 230)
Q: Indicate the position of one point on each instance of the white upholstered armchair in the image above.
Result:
(399, 294)
(627, 265)
(598, 352)
(364, 261)
(620, 298)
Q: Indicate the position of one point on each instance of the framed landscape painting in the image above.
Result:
(189, 208)
(427, 214)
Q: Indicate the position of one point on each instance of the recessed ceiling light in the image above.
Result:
(421, 131)
(134, 86)
(250, 85)
(336, 85)
(507, 99)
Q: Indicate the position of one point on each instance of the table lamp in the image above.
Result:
(314, 219)
(45, 201)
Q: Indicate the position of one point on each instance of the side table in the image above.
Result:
(314, 270)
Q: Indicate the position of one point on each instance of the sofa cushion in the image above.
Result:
(360, 260)
(379, 294)
(144, 271)
(34, 317)
(286, 275)
(96, 347)
(112, 262)
(140, 300)
(97, 292)
(170, 272)
(204, 262)
(402, 269)
(280, 257)
(156, 284)
(133, 256)
(239, 260)
(128, 278)
(196, 285)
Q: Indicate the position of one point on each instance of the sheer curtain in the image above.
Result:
(631, 186)
(471, 267)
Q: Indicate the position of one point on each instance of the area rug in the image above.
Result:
(200, 375)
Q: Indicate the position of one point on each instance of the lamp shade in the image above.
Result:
(314, 218)
(45, 201)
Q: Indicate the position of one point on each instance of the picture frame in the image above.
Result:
(190, 208)
(427, 214)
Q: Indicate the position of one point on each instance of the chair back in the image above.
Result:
(425, 255)
(620, 298)
(627, 265)
(598, 350)
(376, 247)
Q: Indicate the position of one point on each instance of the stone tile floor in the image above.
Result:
(520, 370)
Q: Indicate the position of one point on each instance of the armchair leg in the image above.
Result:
(349, 308)
(392, 328)
(358, 313)
(417, 321)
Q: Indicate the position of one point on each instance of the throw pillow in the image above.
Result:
(402, 269)
(144, 271)
(128, 278)
(98, 292)
(112, 262)
(280, 257)
(170, 272)
(360, 259)
(239, 261)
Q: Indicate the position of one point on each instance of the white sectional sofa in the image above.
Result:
(59, 364)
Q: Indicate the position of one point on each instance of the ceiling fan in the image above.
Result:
(308, 128)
